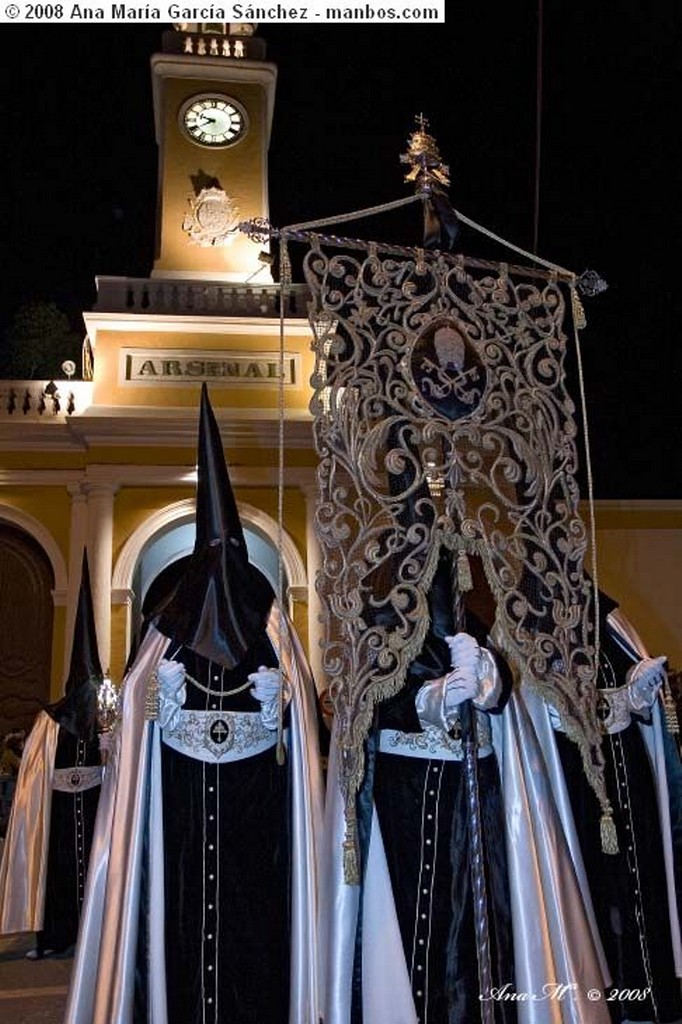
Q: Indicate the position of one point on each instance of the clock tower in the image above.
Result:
(213, 103)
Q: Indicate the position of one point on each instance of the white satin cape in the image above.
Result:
(653, 741)
(102, 983)
(23, 869)
(555, 940)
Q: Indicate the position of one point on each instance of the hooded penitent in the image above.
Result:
(633, 891)
(222, 602)
(77, 710)
(202, 903)
(43, 871)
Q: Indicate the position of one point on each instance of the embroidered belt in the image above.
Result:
(219, 736)
(433, 743)
(75, 780)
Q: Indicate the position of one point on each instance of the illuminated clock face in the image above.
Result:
(213, 120)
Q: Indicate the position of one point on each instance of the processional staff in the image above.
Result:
(431, 178)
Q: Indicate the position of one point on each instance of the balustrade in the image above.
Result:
(196, 298)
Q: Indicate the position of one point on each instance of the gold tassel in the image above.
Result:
(464, 580)
(609, 836)
(285, 276)
(151, 698)
(281, 753)
(351, 858)
(579, 318)
(670, 711)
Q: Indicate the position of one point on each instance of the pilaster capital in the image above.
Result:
(101, 489)
(77, 493)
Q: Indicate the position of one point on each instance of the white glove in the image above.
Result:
(462, 683)
(644, 681)
(170, 674)
(465, 653)
(458, 686)
(172, 691)
(438, 700)
(266, 682)
(266, 685)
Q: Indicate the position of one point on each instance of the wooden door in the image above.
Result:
(26, 614)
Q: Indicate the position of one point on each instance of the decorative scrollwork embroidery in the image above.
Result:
(433, 742)
(442, 416)
(218, 735)
(76, 779)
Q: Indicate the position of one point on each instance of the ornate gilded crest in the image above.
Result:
(446, 369)
(212, 219)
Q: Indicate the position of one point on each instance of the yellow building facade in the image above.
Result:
(108, 462)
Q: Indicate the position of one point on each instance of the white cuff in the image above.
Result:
(643, 681)
(489, 682)
(430, 707)
(172, 691)
(431, 700)
(269, 710)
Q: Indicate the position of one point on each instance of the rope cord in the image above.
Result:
(344, 218)
(304, 232)
(609, 836)
(280, 512)
(590, 499)
(539, 60)
(554, 267)
(371, 211)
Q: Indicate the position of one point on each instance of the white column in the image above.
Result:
(313, 563)
(125, 596)
(77, 539)
(100, 550)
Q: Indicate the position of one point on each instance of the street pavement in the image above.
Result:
(31, 991)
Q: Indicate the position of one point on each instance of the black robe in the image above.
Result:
(421, 806)
(72, 822)
(226, 862)
(628, 889)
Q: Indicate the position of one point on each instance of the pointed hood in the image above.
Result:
(77, 710)
(217, 519)
(221, 604)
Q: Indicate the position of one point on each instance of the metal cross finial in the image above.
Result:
(427, 169)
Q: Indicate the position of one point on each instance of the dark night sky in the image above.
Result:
(80, 170)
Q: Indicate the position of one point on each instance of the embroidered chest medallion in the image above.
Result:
(219, 735)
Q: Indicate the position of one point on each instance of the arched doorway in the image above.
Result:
(151, 559)
(26, 613)
(161, 563)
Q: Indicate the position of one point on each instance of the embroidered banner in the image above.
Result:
(442, 417)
